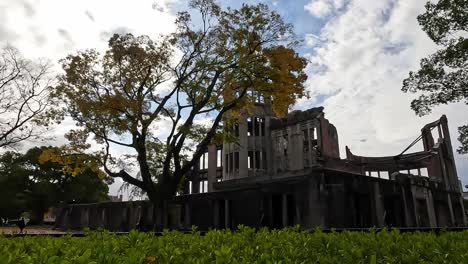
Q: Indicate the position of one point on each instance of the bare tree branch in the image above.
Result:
(24, 97)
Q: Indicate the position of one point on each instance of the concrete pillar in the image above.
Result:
(84, 221)
(431, 209)
(212, 152)
(310, 135)
(451, 168)
(268, 147)
(406, 208)
(416, 214)
(284, 209)
(443, 170)
(270, 210)
(378, 205)
(243, 150)
(295, 146)
(227, 215)
(165, 215)
(216, 222)
(450, 207)
(226, 149)
(314, 214)
(464, 218)
(187, 220)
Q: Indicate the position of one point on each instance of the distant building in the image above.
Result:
(115, 198)
(286, 171)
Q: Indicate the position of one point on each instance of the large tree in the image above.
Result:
(443, 76)
(28, 184)
(23, 97)
(146, 96)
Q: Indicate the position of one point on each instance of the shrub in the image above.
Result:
(243, 246)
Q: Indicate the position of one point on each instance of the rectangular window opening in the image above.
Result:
(205, 160)
(260, 99)
(262, 126)
(219, 160)
(257, 160)
(384, 175)
(249, 127)
(250, 161)
(201, 163)
(257, 125)
(424, 172)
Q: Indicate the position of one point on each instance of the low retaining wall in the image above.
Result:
(115, 216)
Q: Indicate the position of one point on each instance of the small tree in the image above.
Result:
(23, 97)
(196, 72)
(443, 76)
(29, 184)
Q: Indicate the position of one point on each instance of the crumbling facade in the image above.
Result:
(287, 171)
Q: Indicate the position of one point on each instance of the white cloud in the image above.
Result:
(323, 8)
(319, 8)
(368, 50)
(313, 40)
(56, 28)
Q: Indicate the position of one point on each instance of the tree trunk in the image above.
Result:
(158, 212)
(37, 216)
(159, 198)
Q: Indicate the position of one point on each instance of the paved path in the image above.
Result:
(30, 230)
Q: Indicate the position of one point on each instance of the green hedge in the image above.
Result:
(243, 246)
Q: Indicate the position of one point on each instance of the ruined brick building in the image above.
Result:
(287, 171)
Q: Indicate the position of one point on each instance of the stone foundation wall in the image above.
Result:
(324, 198)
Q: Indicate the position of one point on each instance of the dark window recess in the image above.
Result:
(262, 126)
(291, 207)
(257, 126)
(257, 160)
(236, 130)
(264, 160)
(285, 146)
(249, 127)
(305, 134)
(260, 99)
(314, 143)
(236, 160)
(277, 210)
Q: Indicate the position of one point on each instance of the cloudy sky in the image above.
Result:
(359, 52)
